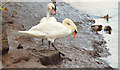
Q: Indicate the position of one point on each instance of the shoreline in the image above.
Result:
(84, 51)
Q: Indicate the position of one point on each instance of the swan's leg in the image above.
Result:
(42, 42)
(49, 44)
(58, 50)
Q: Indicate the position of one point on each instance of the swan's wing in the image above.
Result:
(33, 33)
(37, 27)
(43, 26)
(53, 19)
(51, 26)
(43, 19)
(55, 29)
(48, 26)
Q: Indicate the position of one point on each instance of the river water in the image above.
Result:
(100, 9)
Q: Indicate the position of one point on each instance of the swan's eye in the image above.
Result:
(53, 8)
(68, 23)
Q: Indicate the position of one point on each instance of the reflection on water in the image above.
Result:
(97, 11)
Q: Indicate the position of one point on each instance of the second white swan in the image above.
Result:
(49, 7)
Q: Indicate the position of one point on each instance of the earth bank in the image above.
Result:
(27, 52)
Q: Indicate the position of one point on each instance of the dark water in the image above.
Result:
(97, 10)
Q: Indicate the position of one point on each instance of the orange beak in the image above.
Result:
(53, 11)
(74, 34)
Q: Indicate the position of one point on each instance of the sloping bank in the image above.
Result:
(83, 51)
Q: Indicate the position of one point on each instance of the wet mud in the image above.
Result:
(27, 52)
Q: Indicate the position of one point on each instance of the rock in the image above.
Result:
(5, 47)
(20, 46)
(30, 64)
(48, 57)
(14, 57)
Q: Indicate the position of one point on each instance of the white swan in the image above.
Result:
(53, 30)
(48, 18)
(49, 7)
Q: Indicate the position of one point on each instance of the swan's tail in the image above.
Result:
(33, 33)
(24, 32)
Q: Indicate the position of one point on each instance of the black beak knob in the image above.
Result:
(75, 32)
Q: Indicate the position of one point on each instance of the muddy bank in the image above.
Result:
(27, 52)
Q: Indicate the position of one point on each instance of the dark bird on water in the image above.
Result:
(107, 17)
(108, 29)
(97, 28)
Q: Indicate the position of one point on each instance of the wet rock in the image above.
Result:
(5, 47)
(20, 46)
(15, 57)
(48, 57)
(29, 64)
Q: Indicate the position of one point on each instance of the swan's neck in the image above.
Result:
(48, 13)
(70, 27)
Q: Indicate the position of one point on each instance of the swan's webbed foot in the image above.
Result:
(58, 50)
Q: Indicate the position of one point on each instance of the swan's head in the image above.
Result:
(73, 26)
(51, 6)
(75, 30)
